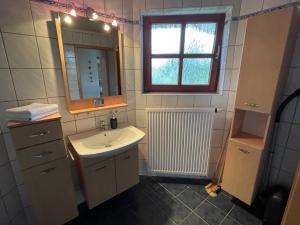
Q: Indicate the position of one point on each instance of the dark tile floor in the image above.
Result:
(154, 203)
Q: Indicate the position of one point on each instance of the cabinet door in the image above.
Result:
(51, 193)
(100, 182)
(127, 170)
(262, 61)
(241, 171)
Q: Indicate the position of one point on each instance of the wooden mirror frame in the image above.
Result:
(88, 105)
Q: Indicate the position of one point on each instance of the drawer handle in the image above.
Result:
(42, 155)
(127, 157)
(38, 134)
(46, 171)
(244, 151)
(251, 104)
(101, 168)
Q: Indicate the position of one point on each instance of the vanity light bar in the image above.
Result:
(83, 10)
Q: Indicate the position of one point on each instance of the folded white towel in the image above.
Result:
(34, 111)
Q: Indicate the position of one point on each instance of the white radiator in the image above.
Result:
(179, 141)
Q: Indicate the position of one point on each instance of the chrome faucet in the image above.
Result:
(102, 125)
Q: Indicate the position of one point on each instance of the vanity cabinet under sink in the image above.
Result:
(103, 178)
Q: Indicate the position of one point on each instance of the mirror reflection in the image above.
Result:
(91, 56)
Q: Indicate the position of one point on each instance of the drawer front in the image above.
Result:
(51, 194)
(41, 154)
(36, 134)
(100, 182)
(127, 170)
(241, 171)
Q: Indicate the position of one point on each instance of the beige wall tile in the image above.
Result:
(7, 92)
(251, 6)
(220, 100)
(202, 101)
(114, 7)
(3, 59)
(192, 3)
(127, 9)
(169, 101)
(85, 124)
(54, 82)
(153, 101)
(172, 4)
(141, 118)
(62, 108)
(137, 5)
(128, 58)
(22, 51)
(29, 83)
(3, 107)
(185, 101)
(15, 17)
(130, 80)
(273, 3)
(241, 32)
(154, 4)
(206, 3)
(49, 52)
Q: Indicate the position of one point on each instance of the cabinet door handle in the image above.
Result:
(100, 168)
(251, 104)
(127, 157)
(46, 171)
(39, 134)
(42, 155)
(244, 151)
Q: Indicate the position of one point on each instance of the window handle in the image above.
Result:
(218, 52)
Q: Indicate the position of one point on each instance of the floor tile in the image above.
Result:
(200, 189)
(210, 213)
(222, 201)
(229, 221)
(193, 220)
(243, 217)
(191, 198)
(174, 188)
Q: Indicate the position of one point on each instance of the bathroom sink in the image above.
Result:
(105, 143)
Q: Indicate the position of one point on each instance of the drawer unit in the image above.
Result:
(99, 182)
(241, 171)
(29, 135)
(127, 170)
(41, 154)
(50, 194)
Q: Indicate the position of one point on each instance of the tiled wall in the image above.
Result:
(288, 144)
(30, 72)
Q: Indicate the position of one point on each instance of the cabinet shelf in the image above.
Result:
(250, 140)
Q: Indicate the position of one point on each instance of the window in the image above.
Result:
(182, 53)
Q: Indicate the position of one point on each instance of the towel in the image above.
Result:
(32, 112)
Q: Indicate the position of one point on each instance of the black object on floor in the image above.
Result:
(164, 203)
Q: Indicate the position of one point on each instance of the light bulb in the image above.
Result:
(73, 12)
(106, 27)
(114, 23)
(68, 19)
(94, 16)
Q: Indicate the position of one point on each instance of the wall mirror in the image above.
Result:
(91, 58)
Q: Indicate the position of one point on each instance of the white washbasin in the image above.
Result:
(105, 143)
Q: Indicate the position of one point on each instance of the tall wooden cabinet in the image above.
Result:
(46, 170)
(269, 42)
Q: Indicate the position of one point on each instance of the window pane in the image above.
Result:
(199, 38)
(165, 38)
(165, 71)
(196, 71)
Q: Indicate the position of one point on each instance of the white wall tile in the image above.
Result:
(185, 101)
(114, 7)
(234, 79)
(206, 3)
(22, 51)
(136, 35)
(137, 58)
(229, 57)
(131, 118)
(10, 146)
(3, 215)
(153, 101)
(236, 6)
(69, 128)
(12, 203)
(3, 152)
(231, 101)
(7, 92)
(130, 80)
(3, 59)
(220, 100)
(137, 6)
(172, 4)
(251, 6)
(143, 151)
(141, 100)
(3, 107)
(202, 101)
(49, 52)
(130, 100)
(127, 9)
(241, 32)
(128, 35)
(128, 58)
(98, 5)
(29, 83)
(138, 80)
(192, 3)
(238, 52)
(141, 118)
(7, 179)
(17, 171)
(54, 82)
(154, 4)
(42, 19)
(85, 124)
(219, 120)
(217, 137)
(169, 101)
(273, 3)
(15, 17)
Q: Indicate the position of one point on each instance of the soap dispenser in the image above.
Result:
(114, 120)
